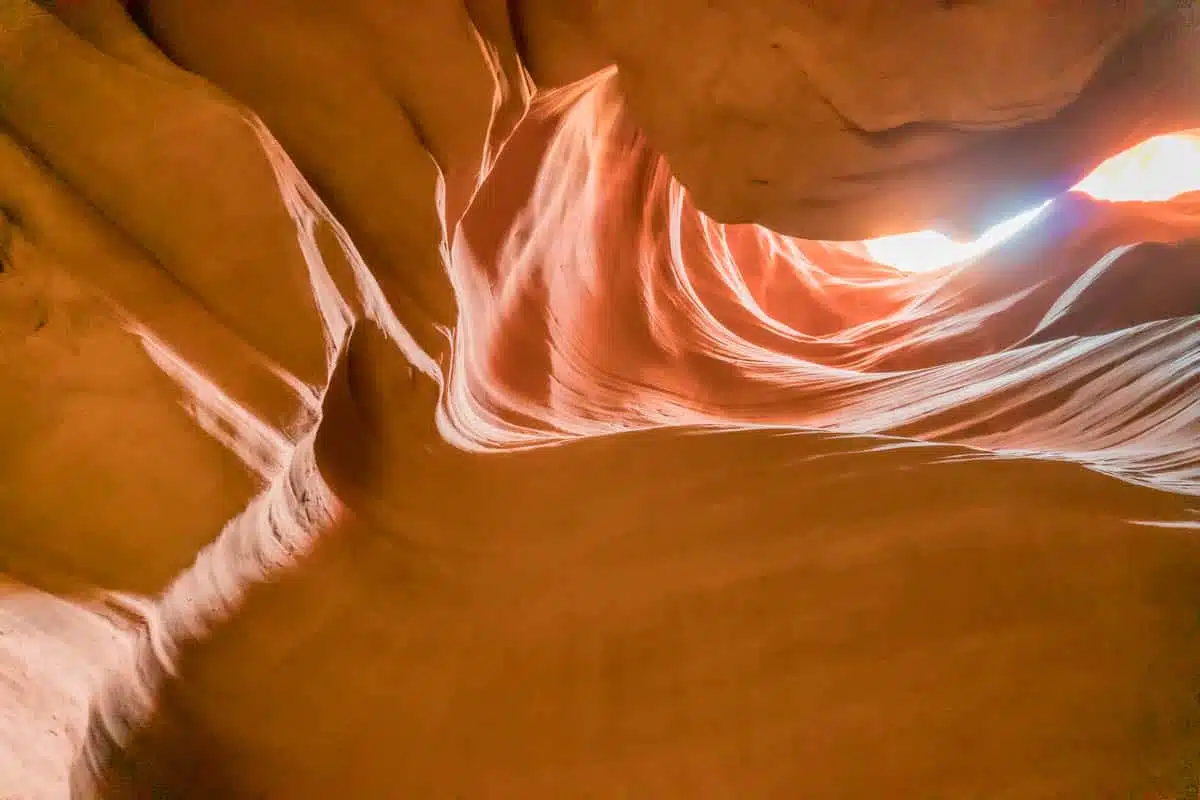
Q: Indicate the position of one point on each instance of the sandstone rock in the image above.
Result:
(385, 413)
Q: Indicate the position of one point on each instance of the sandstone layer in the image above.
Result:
(484, 400)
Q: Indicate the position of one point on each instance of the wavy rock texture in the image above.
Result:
(366, 435)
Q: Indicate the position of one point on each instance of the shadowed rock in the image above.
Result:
(383, 439)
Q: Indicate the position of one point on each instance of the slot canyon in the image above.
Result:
(600, 399)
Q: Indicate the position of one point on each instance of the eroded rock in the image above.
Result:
(229, 390)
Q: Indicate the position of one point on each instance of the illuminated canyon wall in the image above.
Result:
(374, 425)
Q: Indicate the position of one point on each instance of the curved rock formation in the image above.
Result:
(407, 400)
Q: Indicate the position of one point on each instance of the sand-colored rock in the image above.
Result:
(372, 438)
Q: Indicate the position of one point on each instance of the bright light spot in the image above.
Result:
(928, 250)
(1157, 170)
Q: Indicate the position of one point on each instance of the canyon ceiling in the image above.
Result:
(607, 399)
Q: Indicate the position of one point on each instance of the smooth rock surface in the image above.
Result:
(364, 435)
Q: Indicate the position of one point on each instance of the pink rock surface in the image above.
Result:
(364, 433)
